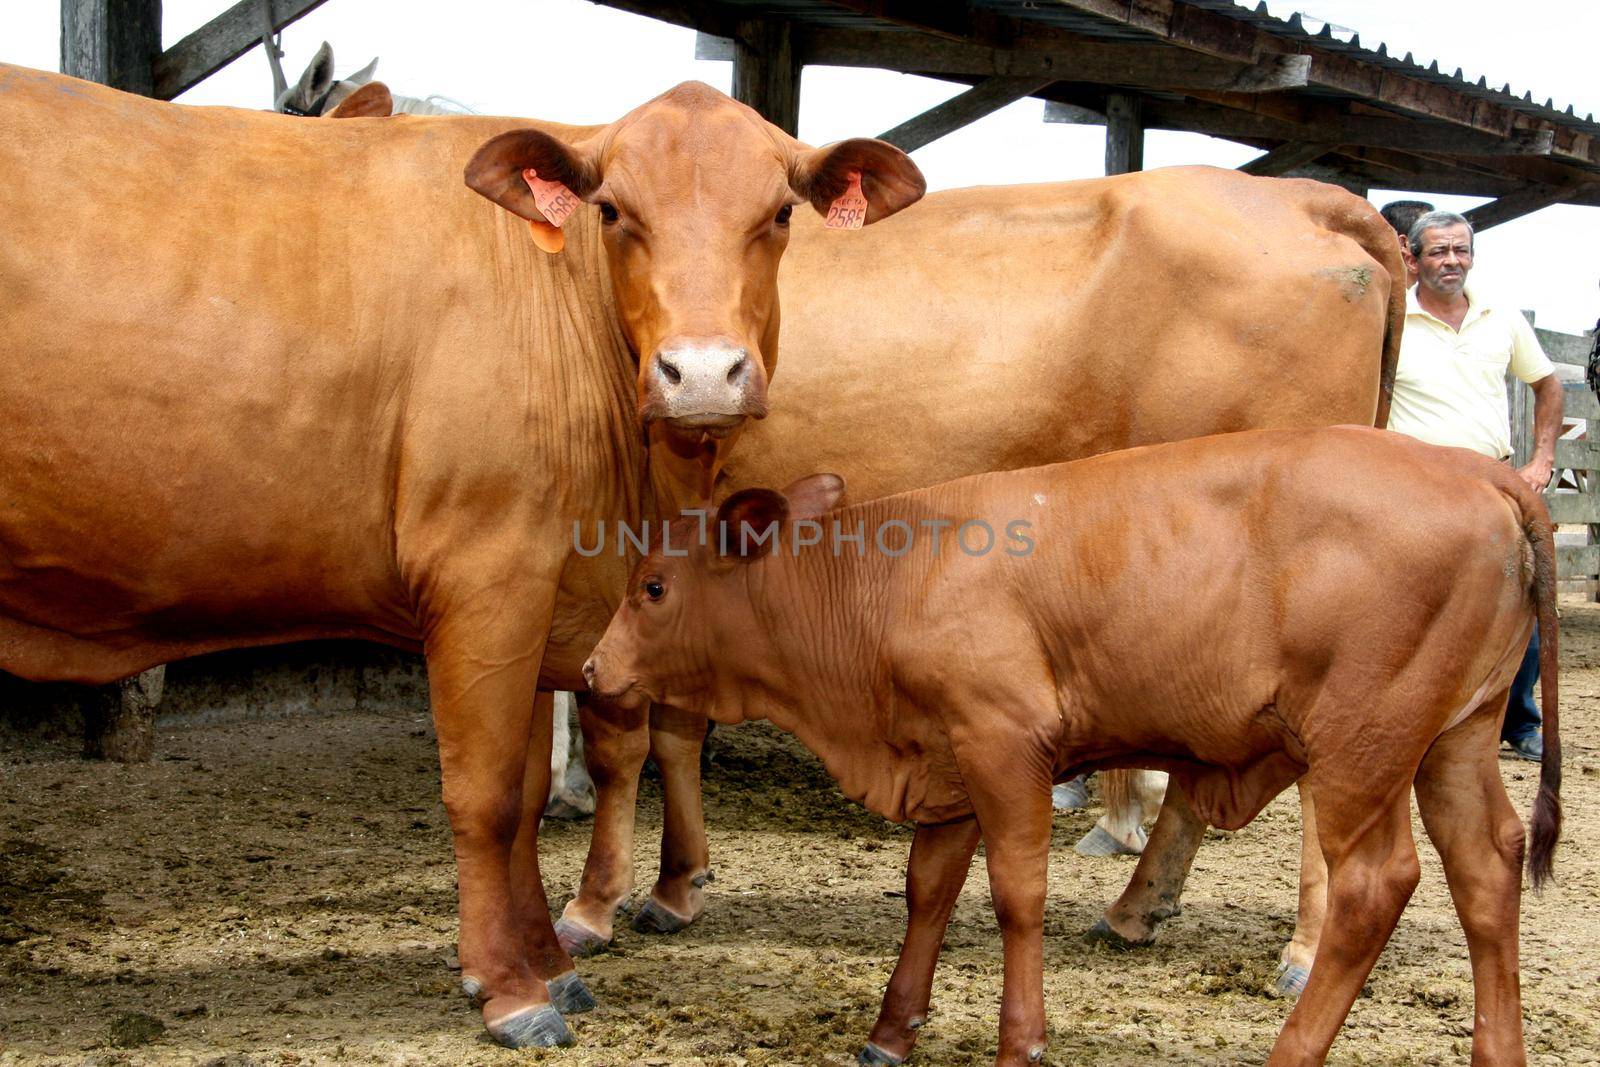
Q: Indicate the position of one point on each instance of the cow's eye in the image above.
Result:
(608, 212)
(654, 589)
(783, 214)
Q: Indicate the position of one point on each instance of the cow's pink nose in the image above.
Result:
(704, 379)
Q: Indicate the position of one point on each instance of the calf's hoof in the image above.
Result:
(1097, 842)
(1291, 980)
(540, 1026)
(578, 940)
(569, 808)
(1102, 933)
(569, 995)
(656, 918)
(1071, 795)
(873, 1056)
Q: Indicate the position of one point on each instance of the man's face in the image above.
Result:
(1444, 259)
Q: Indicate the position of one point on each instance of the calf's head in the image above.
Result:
(694, 628)
(694, 192)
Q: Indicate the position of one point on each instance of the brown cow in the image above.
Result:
(208, 445)
(1241, 611)
(999, 328)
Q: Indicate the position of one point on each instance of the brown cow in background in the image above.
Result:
(207, 446)
(1346, 607)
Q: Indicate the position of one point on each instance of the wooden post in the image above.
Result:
(113, 42)
(121, 724)
(766, 71)
(1124, 134)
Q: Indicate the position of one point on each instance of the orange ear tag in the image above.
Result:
(555, 202)
(849, 212)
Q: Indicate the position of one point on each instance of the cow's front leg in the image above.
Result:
(545, 955)
(940, 857)
(614, 748)
(483, 664)
(678, 897)
(1294, 965)
(1152, 894)
(1016, 832)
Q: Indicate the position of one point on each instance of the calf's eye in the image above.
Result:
(608, 211)
(783, 214)
(654, 589)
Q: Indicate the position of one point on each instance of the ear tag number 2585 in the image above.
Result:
(849, 211)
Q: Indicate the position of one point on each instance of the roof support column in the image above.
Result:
(1124, 134)
(766, 71)
(113, 42)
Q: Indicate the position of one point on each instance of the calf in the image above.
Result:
(1344, 604)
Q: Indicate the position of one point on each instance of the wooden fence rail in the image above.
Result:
(1574, 495)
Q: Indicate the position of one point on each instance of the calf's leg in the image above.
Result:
(614, 749)
(940, 857)
(676, 900)
(1479, 837)
(1364, 822)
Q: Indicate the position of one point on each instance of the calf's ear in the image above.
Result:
(889, 180)
(371, 101)
(744, 521)
(534, 175)
(814, 495)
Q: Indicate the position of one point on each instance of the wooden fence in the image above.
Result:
(1574, 494)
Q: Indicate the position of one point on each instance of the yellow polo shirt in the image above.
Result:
(1449, 387)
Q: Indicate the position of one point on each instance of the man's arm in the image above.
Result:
(1547, 405)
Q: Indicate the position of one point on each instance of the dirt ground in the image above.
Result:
(282, 892)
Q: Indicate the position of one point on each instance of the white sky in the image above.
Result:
(578, 62)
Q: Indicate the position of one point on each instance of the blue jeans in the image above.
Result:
(1522, 714)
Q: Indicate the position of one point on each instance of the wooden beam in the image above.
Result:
(221, 41)
(1124, 133)
(1524, 202)
(985, 98)
(1315, 124)
(1194, 29)
(1286, 157)
(113, 42)
(766, 73)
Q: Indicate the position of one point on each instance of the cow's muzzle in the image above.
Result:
(703, 385)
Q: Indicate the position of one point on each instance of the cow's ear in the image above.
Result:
(748, 523)
(313, 84)
(507, 167)
(889, 180)
(371, 101)
(814, 495)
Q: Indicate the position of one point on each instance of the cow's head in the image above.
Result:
(692, 631)
(694, 192)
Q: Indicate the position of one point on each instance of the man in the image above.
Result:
(1402, 215)
(1450, 390)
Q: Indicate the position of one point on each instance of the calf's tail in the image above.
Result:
(1546, 828)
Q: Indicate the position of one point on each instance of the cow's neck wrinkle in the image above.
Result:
(831, 684)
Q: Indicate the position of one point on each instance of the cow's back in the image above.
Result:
(237, 351)
(996, 328)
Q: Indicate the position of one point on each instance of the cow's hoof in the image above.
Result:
(569, 995)
(656, 918)
(1071, 795)
(537, 1027)
(1102, 933)
(578, 940)
(472, 988)
(568, 809)
(873, 1056)
(1291, 980)
(1099, 843)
